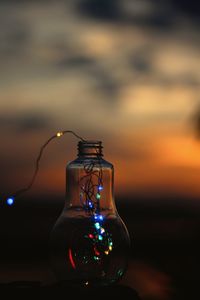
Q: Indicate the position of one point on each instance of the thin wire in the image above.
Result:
(38, 159)
(88, 199)
(102, 237)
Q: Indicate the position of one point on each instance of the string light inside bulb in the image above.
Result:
(71, 259)
(90, 204)
(100, 188)
(97, 225)
(98, 196)
(98, 217)
(100, 237)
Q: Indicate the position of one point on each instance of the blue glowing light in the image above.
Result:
(10, 201)
(98, 217)
(100, 188)
(90, 204)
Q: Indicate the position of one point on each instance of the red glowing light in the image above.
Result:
(71, 259)
(91, 236)
(96, 251)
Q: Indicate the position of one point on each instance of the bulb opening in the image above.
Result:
(90, 148)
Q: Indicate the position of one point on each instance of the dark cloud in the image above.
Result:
(69, 62)
(106, 83)
(15, 34)
(32, 121)
(191, 7)
(100, 9)
(141, 61)
(150, 13)
(91, 68)
(29, 121)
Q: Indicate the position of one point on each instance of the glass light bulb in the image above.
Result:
(89, 243)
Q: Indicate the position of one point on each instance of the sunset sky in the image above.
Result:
(133, 84)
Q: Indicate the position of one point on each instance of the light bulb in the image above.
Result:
(89, 243)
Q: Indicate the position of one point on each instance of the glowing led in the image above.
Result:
(86, 283)
(98, 217)
(106, 252)
(120, 272)
(102, 230)
(96, 251)
(10, 201)
(96, 257)
(90, 204)
(100, 237)
(98, 196)
(110, 248)
(100, 188)
(59, 134)
(71, 259)
(97, 225)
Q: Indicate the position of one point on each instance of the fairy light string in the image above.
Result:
(11, 199)
(91, 187)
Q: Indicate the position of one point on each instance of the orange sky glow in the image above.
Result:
(84, 75)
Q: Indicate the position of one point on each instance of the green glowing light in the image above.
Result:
(100, 237)
(96, 258)
(98, 196)
(120, 272)
(97, 225)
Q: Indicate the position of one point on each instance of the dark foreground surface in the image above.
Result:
(27, 290)
(165, 259)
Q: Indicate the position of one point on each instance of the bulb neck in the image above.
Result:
(89, 149)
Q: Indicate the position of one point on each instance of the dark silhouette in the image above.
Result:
(26, 290)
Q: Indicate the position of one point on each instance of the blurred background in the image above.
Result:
(126, 72)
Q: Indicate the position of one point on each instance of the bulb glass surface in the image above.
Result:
(89, 242)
